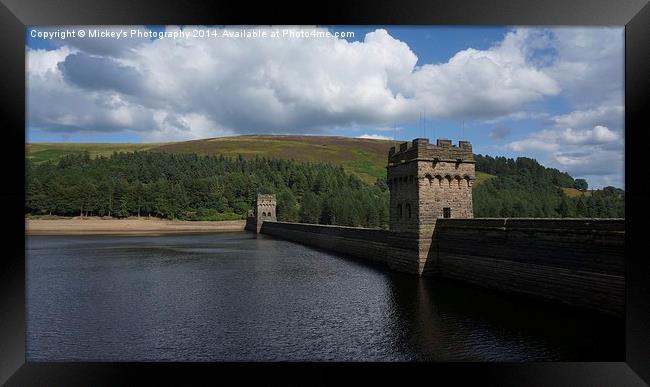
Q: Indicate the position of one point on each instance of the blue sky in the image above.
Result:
(554, 94)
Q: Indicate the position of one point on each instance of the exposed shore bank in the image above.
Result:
(144, 225)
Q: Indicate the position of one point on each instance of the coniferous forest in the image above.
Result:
(192, 187)
(524, 188)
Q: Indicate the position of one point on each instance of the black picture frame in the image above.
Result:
(16, 14)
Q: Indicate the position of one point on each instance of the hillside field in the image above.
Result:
(575, 193)
(40, 152)
(366, 158)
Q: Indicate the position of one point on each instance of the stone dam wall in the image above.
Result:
(364, 243)
(578, 262)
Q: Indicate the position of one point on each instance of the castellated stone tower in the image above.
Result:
(426, 182)
(264, 210)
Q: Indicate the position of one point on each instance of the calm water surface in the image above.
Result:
(235, 297)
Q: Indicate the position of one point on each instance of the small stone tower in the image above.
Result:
(264, 211)
(426, 182)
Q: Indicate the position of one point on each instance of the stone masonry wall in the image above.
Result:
(578, 262)
(358, 242)
(426, 182)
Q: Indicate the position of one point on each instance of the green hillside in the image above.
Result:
(311, 174)
(55, 151)
(365, 158)
(482, 177)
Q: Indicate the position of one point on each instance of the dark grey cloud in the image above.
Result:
(97, 73)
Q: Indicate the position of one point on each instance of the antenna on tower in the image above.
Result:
(424, 124)
(395, 136)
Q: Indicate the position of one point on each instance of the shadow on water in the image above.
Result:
(446, 320)
(375, 266)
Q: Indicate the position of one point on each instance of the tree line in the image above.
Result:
(192, 187)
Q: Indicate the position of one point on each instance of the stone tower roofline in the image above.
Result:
(421, 149)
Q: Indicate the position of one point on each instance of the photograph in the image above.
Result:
(336, 193)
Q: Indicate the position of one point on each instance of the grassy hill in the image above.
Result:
(574, 193)
(40, 152)
(366, 158)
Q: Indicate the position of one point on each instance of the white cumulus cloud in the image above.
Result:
(374, 137)
(272, 85)
(553, 139)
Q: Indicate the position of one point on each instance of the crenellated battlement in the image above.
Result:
(265, 198)
(421, 149)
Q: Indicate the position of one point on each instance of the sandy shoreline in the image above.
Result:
(89, 226)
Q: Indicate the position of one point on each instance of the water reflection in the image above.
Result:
(231, 296)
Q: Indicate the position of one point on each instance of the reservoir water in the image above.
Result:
(238, 297)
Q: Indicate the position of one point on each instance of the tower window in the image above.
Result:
(408, 210)
(446, 212)
(399, 210)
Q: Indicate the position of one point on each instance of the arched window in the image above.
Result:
(399, 211)
(408, 210)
